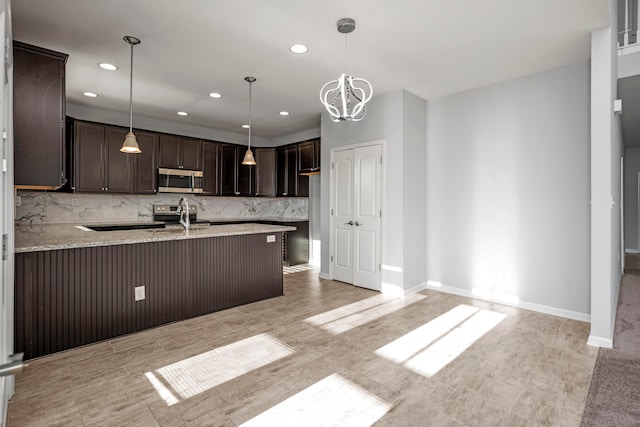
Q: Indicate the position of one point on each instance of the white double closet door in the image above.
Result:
(356, 215)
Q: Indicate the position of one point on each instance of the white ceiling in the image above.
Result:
(192, 47)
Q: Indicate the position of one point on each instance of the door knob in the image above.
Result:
(357, 224)
(349, 223)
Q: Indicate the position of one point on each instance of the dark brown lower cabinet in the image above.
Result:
(71, 297)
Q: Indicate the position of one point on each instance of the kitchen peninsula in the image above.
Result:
(75, 287)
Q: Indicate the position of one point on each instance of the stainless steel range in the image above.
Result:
(171, 213)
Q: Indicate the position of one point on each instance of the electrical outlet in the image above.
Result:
(271, 238)
(139, 293)
(74, 202)
(18, 201)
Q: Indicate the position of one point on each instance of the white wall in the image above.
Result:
(414, 171)
(631, 170)
(385, 120)
(508, 191)
(606, 149)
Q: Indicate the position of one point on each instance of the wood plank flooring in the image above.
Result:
(326, 353)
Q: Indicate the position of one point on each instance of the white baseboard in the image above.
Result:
(554, 311)
(630, 251)
(600, 342)
(324, 276)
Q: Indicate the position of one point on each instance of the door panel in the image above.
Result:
(343, 213)
(367, 193)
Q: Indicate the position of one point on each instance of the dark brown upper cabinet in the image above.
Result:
(210, 169)
(309, 157)
(265, 171)
(180, 152)
(145, 164)
(287, 171)
(99, 166)
(38, 117)
(236, 179)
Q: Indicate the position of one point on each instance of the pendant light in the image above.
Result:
(130, 144)
(248, 156)
(345, 98)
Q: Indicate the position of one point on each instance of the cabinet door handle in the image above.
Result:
(348, 223)
(357, 224)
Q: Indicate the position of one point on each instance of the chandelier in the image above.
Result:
(345, 98)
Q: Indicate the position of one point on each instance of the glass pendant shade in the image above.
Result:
(130, 144)
(249, 160)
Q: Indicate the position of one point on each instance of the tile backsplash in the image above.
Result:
(37, 207)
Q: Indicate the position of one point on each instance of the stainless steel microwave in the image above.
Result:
(179, 181)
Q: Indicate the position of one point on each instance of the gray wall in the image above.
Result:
(631, 169)
(508, 190)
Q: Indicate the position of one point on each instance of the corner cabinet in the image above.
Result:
(309, 157)
(38, 117)
(265, 172)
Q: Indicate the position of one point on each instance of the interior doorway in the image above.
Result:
(356, 203)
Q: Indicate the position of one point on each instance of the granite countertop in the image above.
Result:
(33, 238)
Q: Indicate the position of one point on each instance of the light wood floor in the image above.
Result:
(326, 353)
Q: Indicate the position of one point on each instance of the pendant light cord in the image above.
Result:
(131, 92)
(250, 84)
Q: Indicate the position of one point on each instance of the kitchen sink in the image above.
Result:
(123, 227)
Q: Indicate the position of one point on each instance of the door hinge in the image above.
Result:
(331, 258)
(380, 160)
(331, 165)
(331, 211)
(380, 213)
(379, 267)
(5, 238)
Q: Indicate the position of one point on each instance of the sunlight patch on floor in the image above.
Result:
(332, 401)
(432, 346)
(297, 268)
(189, 377)
(347, 317)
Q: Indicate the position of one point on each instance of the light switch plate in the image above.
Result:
(139, 293)
(271, 238)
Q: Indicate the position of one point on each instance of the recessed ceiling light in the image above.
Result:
(107, 66)
(298, 48)
(245, 126)
(284, 113)
(215, 95)
(90, 94)
(183, 113)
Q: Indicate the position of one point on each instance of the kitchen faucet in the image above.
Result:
(184, 213)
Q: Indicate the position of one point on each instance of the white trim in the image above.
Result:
(325, 276)
(600, 342)
(631, 251)
(554, 311)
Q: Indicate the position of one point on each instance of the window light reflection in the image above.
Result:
(351, 316)
(431, 347)
(189, 377)
(331, 401)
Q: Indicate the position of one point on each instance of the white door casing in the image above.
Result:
(356, 193)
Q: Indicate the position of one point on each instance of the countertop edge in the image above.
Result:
(111, 238)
